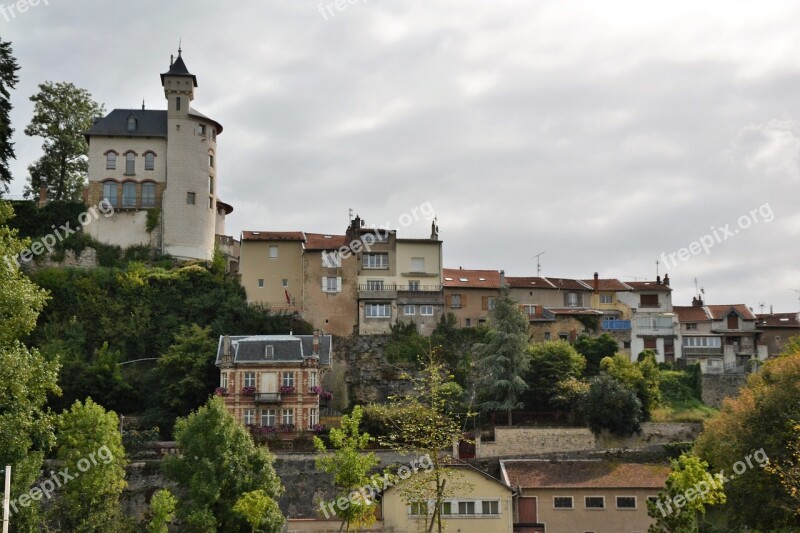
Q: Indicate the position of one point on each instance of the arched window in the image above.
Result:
(111, 161)
(130, 163)
(129, 194)
(149, 161)
(110, 192)
(148, 194)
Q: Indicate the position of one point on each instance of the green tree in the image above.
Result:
(696, 489)
(216, 464)
(422, 423)
(760, 419)
(8, 81)
(595, 349)
(551, 363)
(350, 468)
(26, 379)
(502, 360)
(611, 405)
(90, 445)
(260, 511)
(641, 377)
(62, 113)
(162, 511)
(187, 370)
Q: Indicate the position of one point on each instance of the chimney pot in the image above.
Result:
(596, 283)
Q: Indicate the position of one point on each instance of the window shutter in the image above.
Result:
(463, 300)
(324, 284)
(448, 300)
(339, 284)
(484, 302)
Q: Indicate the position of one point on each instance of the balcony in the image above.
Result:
(426, 294)
(377, 292)
(702, 350)
(267, 397)
(616, 325)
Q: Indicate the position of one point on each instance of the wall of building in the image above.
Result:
(547, 297)
(474, 308)
(255, 263)
(332, 312)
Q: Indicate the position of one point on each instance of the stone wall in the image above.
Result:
(86, 259)
(370, 377)
(717, 387)
(515, 441)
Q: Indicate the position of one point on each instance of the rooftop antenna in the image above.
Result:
(761, 306)
(350, 214)
(538, 264)
(657, 263)
(179, 46)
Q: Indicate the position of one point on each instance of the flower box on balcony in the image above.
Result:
(221, 391)
(315, 389)
(248, 390)
(326, 395)
(287, 389)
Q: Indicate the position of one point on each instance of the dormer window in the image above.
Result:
(131, 124)
(269, 351)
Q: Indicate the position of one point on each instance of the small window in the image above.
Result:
(606, 298)
(249, 379)
(331, 284)
(223, 380)
(547, 335)
(111, 161)
(626, 502)
(490, 507)
(273, 252)
(691, 326)
(331, 259)
(148, 194)
(287, 417)
(455, 301)
(190, 198)
(211, 185)
(426, 310)
(467, 322)
(178, 103)
(149, 161)
(491, 302)
(413, 285)
(466, 508)
(595, 502)
(131, 124)
(269, 351)
(284, 283)
(130, 164)
(129, 194)
(202, 130)
(418, 509)
(211, 202)
(563, 336)
(211, 160)
(288, 379)
(261, 283)
(249, 417)
(110, 192)
(562, 502)
(409, 310)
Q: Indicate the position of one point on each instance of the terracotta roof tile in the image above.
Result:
(474, 279)
(532, 474)
(609, 284)
(569, 284)
(321, 241)
(691, 313)
(273, 236)
(648, 286)
(718, 312)
(528, 283)
(779, 320)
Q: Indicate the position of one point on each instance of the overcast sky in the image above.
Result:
(600, 133)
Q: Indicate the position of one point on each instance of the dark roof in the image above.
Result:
(569, 284)
(719, 312)
(471, 279)
(226, 206)
(528, 283)
(691, 313)
(647, 286)
(273, 236)
(149, 123)
(178, 68)
(197, 114)
(589, 474)
(322, 241)
(250, 349)
(779, 320)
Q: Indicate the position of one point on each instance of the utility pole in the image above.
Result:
(6, 499)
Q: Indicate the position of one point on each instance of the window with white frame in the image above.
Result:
(331, 259)
(409, 310)
(378, 311)
(374, 284)
(375, 260)
(595, 502)
(273, 252)
(268, 417)
(466, 508)
(413, 285)
(223, 380)
(313, 417)
(249, 379)
(529, 309)
(287, 416)
(563, 502)
(691, 325)
(606, 298)
(332, 284)
(626, 502)
(426, 310)
(418, 509)
(417, 264)
(702, 342)
(269, 351)
(312, 379)
(249, 417)
(572, 299)
(288, 379)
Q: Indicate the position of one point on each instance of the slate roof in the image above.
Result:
(149, 123)
(471, 279)
(250, 349)
(273, 236)
(178, 68)
(586, 474)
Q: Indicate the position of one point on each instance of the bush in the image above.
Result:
(612, 406)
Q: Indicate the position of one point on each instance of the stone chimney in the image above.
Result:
(697, 302)
(502, 279)
(658, 280)
(596, 283)
(227, 355)
(434, 230)
(666, 279)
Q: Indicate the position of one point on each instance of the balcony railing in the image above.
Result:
(617, 325)
(702, 350)
(267, 397)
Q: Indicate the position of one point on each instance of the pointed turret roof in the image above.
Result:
(178, 68)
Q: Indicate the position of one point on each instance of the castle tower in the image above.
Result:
(189, 212)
